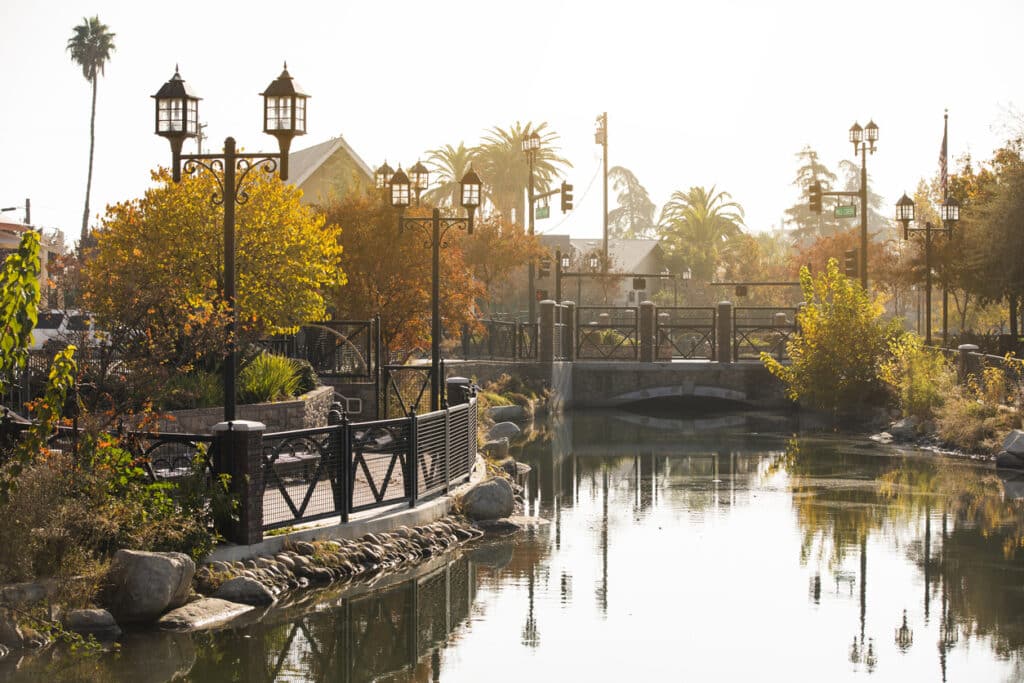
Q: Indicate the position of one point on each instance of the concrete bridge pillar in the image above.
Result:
(569, 333)
(723, 333)
(547, 331)
(648, 316)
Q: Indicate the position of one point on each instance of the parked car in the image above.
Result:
(63, 327)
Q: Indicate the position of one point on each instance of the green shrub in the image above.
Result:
(196, 389)
(838, 353)
(308, 380)
(268, 378)
(921, 378)
(975, 418)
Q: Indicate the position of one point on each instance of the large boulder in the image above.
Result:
(514, 413)
(496, 449)
(1009, 461)
(904, 430)
(203, 614)
(92, 622)
(506, 430)
(1014, 442)
(491, 499)
(245, 590)
(142, 585)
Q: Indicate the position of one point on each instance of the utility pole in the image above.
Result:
(200, 136)
(601, 138)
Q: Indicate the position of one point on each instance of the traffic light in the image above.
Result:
(850, 263)
(566, 197)
(814, 195)
(545, 267)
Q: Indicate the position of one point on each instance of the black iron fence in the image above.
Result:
(686, 333)
(491, 340)
(607, 333)
(335, 348)
(762, 329)
(341, 469)
(405, 388)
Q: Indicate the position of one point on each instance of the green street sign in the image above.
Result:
(543, 212)
(846, 211)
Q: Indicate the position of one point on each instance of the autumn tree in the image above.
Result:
(390, 272)
(155, 278)
(496, 251)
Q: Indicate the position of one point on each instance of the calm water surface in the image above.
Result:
(717, 549)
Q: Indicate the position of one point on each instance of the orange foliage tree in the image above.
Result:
(497, 252)
(390, 274)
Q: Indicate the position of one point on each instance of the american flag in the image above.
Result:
(942, 155)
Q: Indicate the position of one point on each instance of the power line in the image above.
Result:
(586, 191)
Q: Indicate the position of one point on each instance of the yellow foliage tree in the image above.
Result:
(154, 278)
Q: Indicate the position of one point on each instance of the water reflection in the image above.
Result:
(674, 540)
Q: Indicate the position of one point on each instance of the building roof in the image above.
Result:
(304, 163)
(626, 255)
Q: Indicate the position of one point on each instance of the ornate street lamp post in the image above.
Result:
(950, 214)
(864, 140)
(530, 145)
(177, 118)
(436, 228)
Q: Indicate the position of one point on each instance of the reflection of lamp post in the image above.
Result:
(436, 228)
(177, 118)
(950, 215)
(904, 635)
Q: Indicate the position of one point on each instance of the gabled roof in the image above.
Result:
(304, 163)
(626, 255)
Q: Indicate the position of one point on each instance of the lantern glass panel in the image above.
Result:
(856, 133)
(400, 194)
(279, 113)
(470, 195)
(300, 114)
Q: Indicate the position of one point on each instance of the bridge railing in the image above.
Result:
(607, 333)
(762, 329)
(686, 333)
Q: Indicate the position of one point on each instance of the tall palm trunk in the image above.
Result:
(88, 182)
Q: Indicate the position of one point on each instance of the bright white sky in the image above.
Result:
(712, 93)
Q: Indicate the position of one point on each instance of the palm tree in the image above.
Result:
(505, 170)
(634, 216)
(90, 47)
(448, 164)
(696, 228)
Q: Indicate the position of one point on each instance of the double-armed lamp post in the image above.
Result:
(436, 228)
(177, 118)
(863, 139)
(950, 214)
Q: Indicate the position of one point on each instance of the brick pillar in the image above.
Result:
(547, 331)
(965, 365)
(723, 352)
(239, 453)
(648, 317)
(569, 318)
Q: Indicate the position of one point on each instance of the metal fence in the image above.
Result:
(762, 329)
(405, 388)
(686, 333)
(607, 333)
(491, 340)
(312, 474)
(562, 335)
(335, 348)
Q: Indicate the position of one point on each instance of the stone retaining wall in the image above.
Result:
(302, 412)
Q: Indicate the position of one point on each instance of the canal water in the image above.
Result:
(720, 548)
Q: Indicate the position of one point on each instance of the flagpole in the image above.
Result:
(945, 198)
